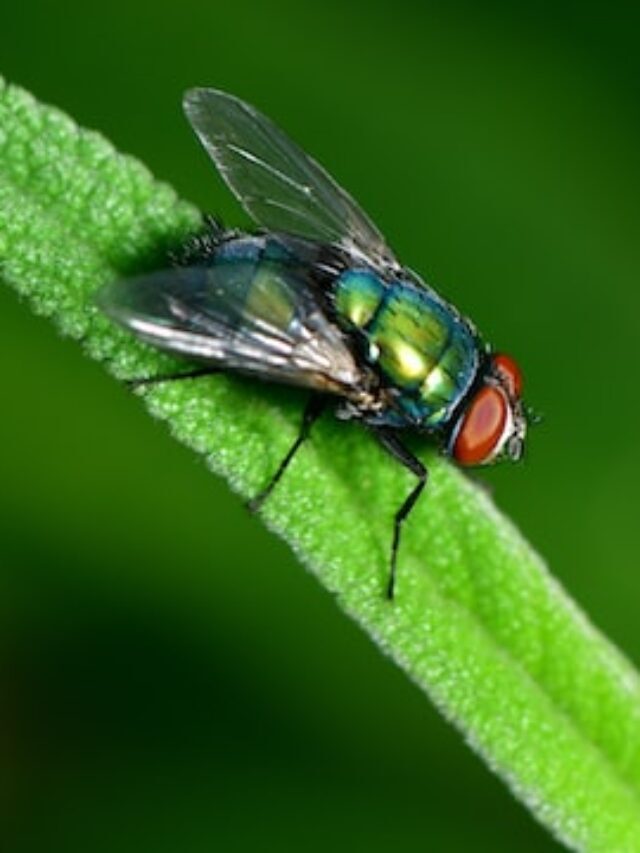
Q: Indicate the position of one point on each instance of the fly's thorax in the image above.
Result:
(421, 347)
(358, 296)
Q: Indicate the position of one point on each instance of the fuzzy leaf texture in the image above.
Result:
(549, 704)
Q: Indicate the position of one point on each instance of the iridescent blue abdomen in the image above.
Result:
(422, 348)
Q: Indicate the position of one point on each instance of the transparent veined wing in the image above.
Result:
(279, 186)
(255, 319)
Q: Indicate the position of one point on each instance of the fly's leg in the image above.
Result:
(170, 377)
(314, 408)
(392, 444)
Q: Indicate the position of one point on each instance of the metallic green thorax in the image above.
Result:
(425, 354)
(422, 348)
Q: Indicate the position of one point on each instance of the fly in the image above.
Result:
(318, 300)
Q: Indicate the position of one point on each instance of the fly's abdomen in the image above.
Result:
(422, 349)
(253, 306)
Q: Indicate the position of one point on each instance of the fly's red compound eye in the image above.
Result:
(483, 427)
(510, 374)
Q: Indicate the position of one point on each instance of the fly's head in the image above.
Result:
(493, 425)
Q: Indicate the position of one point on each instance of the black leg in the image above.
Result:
(171, 377)
(392, 444)
(312, 412)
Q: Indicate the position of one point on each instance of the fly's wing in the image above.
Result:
(279, 186)
(256, 319)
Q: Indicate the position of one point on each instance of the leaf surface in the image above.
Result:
(478, 622)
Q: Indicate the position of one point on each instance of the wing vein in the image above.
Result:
(281, 187)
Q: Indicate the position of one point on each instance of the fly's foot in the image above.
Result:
(255, 503)
(147, 381)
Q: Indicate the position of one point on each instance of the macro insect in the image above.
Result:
(317, 299)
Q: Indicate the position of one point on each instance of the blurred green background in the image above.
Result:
(170, 679)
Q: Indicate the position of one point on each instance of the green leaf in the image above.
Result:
(550, 705)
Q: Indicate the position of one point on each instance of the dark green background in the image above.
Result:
(170, 678)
